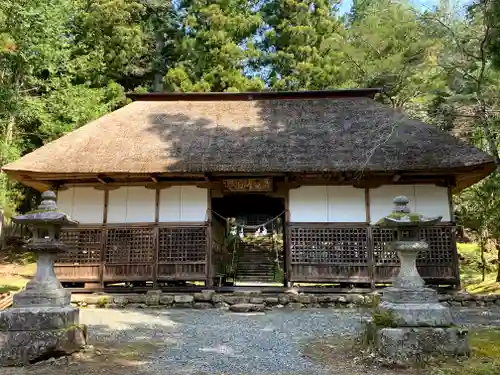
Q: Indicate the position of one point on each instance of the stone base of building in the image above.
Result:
(29, 334)
(414, 344)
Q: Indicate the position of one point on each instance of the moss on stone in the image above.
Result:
(102, 302)
(383, 318)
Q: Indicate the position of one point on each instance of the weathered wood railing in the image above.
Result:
(142, 252)
(333, 252)
(318, 253)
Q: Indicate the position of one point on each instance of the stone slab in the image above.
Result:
(411, 344)
(22, 347)
(42, 297)
(419, 314)
(403, 295)
(38, 318)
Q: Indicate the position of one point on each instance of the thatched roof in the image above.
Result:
(340, 131)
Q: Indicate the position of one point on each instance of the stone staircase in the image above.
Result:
(255, 263)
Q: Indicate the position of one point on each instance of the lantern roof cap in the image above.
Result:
(46, 213)
(401, 215)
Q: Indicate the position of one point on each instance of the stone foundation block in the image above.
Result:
(419, 314)
(204, 296)
(37, 318)
(271, 301)
(22, 347)
(153, 297)
(183, 299)
(410, 344)
(235, 299)
(166, 299)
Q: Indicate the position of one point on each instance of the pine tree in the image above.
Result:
(216, 46)
(301, 44)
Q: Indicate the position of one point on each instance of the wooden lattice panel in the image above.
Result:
(441, 250)
(329, 245)
(129, 245)
(182, 245)
(439, 239)
(84, 246)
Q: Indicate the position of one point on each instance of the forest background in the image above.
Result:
(64, 63)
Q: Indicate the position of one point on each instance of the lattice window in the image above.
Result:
(178, 245)
(441, 251)
(382, 236)
(84, 246)
(129, 245)
(439, 239)
(329, 245)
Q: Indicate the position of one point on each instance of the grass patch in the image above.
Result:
(471, 273)
(14, 277)
(485, 358)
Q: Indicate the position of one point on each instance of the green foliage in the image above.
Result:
(215, 47)
(383, 318)
(301, 45)
(485, 344)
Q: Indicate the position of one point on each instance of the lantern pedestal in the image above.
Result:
(42, 323)
(409, 322)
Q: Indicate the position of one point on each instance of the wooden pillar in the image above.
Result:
(453, 240)
(369, 241)
(156, 236)
(103, 237)
(287, 256)
(450, 205)
(209, 266)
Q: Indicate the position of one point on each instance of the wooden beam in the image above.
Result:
(210, 276)
(367, 206)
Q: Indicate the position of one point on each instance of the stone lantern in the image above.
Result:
(410, 322)
(42, 321)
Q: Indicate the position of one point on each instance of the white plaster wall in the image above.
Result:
(183, 204)
(84, 204)
(429, 200)
(65, 201)
(327, 204)
(170, 204)
(432, 200)
(131, 204)
(308, 204)
(346, 204)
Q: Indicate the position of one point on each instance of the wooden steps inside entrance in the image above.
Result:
(255, 263)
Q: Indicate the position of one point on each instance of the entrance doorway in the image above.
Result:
(250, 231)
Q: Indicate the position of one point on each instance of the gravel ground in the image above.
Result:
(175, 342)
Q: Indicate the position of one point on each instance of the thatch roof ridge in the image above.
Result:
(252, 136)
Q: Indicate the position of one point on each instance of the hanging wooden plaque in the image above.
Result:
(249, 185)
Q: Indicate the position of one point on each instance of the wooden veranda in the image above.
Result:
(315, 253)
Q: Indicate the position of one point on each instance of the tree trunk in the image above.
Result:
(482, 245)
(498, 263)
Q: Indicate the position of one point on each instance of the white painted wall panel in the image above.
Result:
(381, 199)
(183, 204)
(131, 204)
(432, 200)
(65, 201)
(194, 203)
(170, 204)
(88, 205)
(346, 204)
(429, 200)
(117, 205)
(140, 205)
(309, 204)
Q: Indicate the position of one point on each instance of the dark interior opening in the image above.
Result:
(256, 256)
